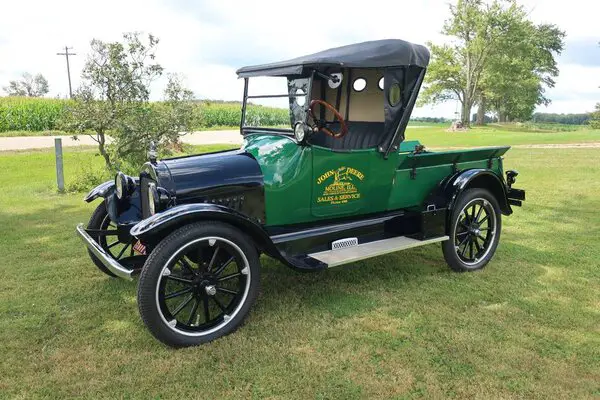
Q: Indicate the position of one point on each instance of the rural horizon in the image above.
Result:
(208, 54)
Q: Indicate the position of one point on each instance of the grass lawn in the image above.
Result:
(398, 326)
(495, 135)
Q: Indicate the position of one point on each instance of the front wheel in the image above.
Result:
(474, 229)
(104, 231)
(198, 284)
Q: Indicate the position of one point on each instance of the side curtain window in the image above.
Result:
(398, 85)
(297, 110)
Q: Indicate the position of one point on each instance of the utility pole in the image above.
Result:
(67, 54)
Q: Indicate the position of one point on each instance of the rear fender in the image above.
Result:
(477, 178)
(153, 229)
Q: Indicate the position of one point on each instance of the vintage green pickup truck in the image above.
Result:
(340, 184)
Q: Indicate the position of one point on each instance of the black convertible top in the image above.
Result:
(373, 54)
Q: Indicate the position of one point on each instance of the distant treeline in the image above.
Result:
(566, 119)
(431, 120)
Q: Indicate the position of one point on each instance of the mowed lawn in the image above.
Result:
(399, 326)
(499, 135)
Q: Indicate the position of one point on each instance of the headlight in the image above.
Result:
(299, 131)
(152, 198)
(120, 184)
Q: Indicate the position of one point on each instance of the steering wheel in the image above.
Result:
(322, 124)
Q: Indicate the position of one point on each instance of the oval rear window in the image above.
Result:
(394, 94)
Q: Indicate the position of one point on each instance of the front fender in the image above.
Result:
(103, 190)
(156, 227)
(127, 211)
(477, 178)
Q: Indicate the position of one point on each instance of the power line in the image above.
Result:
(67, 54)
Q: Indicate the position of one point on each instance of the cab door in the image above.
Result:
(346, 183)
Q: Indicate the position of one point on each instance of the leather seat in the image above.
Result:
(361, 135)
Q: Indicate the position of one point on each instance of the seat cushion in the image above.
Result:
(361, 135)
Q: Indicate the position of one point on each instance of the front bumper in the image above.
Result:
(110, 263)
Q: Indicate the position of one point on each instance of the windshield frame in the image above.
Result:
(248, 128)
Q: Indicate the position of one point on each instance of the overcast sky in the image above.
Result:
(206, 41)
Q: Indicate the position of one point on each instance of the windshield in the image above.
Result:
(275, 103)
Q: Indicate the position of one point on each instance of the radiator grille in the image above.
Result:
(344, 243)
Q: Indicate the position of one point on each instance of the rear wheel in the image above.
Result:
(104, 231)
(198, 284)
(474, 230)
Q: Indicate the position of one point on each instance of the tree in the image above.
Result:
(456, 70)
(498, 58)
(114, 100)
(595, 121)
(28, 85)
(523, 67)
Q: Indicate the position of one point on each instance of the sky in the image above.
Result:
(206, 41)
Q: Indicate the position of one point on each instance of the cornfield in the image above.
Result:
(40, 114)
(229, 114)
(30, 114)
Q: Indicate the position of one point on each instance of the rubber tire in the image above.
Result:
(96, 223)
(150, 275)
(454, 262)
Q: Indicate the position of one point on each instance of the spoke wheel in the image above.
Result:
(109, 240)
(104, 231)
(198, 284)
(474, 233)
(474, 230)
(203, 285)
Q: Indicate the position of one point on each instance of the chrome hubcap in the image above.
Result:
(211, 290)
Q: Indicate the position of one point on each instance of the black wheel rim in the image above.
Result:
(474, 231)
(203, 286)
(109, 240)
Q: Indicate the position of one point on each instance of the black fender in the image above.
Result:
(127, 211)
(153, 229)
(102, 190)
(454, 186)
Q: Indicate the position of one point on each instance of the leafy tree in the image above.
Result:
(498, 58)
(28, 86)
(114, 100)
(595, 121)
(456, 70)
(523, 67)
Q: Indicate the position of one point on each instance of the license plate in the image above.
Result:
(138, 247)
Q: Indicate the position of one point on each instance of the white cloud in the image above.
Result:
(207, 41)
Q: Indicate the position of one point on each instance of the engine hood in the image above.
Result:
(231, 178)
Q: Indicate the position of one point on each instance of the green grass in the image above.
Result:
(496, 135)
(399, 326)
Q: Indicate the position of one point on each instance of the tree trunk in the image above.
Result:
(466, 113)
(481, 111)
(102, 149)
